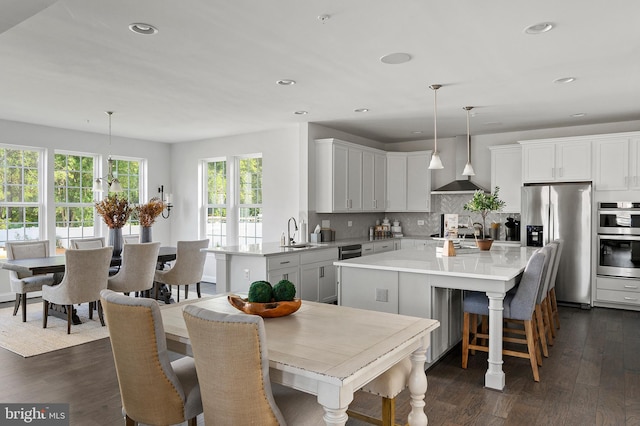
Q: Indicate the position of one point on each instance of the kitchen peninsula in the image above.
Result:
(410, 282)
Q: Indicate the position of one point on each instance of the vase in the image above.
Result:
(115, 241)
(145, 234)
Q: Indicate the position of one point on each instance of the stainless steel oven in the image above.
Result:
(619, 255)
(619, 218)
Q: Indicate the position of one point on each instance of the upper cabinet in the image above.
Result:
(341, 171)
(617, 162)
(506, 165)
(556, 160)
(408, 181)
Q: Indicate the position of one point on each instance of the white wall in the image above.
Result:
(50, 138)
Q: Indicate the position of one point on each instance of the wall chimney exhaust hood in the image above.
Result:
(462, 184)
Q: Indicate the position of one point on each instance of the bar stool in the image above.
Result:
(388, 385)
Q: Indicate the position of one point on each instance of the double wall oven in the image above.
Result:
(619, 239)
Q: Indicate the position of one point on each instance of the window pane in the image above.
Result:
(250, 229)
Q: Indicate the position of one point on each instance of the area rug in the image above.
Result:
(30, 339)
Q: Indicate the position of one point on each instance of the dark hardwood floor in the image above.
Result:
(592, 377)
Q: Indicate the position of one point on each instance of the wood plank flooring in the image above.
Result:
(592, 377)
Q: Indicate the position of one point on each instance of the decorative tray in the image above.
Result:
(265, 310)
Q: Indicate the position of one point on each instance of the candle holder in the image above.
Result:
(166, 199)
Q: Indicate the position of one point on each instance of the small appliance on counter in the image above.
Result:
(512, 229)
(396, 229)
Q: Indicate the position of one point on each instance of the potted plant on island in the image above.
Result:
(485, 203)
(147, 214)
(115, 212)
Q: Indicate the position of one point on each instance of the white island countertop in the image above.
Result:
(501, 262)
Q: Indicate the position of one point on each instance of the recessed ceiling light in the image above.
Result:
(578, 115)
(564, 80)
(286, 82)
(540, 28)
(361, 110)
(395, 58)
(301, 112)
(493, 123)
(144, 29)
(417, 132)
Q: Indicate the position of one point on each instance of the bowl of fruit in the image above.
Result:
(268, 301)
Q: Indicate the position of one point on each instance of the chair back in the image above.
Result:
(189, 264)
(550, 251)
(85, 275)
(26, 250)
(524, 301)
(87, 243)
(131, 239)
(149, 387)
(233, 367)
(138, 267)
(556, 263)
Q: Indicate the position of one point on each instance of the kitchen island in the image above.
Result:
(410, 282)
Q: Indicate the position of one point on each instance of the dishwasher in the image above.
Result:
(350, 251)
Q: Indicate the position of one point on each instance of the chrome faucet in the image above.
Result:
(290, 240)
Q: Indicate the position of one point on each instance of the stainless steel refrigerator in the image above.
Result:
(562, 211)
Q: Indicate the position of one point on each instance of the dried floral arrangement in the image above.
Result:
(114, 211)
(147, 213)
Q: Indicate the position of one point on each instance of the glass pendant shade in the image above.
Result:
(436, 163)
(115, 186)
(97, 185)
(468, 170)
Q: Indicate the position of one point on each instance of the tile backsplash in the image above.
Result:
(441, 203)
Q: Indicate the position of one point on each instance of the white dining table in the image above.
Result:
(329, 351)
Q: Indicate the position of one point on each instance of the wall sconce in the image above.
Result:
(166, 199)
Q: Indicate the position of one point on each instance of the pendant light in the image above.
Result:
(468, 168)
(113, 182)
(435, 163)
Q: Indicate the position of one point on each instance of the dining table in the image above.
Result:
(328, 350)
(56, 265)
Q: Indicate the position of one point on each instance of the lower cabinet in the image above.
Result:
(318, 282)
(617, 292)
(406, 294)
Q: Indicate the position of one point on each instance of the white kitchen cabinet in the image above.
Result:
(614, 292)
(506, 173)
(291, 273)
(408, 181)
(383, 245)
(318, 276)
(396, 181)
(374, 180)
(556, 160)
(617, 163)
(367, 248)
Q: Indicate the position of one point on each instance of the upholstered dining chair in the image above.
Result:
(518, 306)
(87, 243)
(131, 239)
(187, 269)
(230, 352)
(551, 297)
(137, 270)
(85, 274)
(21, 284)
(153, 390)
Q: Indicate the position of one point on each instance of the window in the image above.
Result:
(234, 200)
(216, 228)
(250, 200)
(129, 173)
(20, 200)
(73, 196)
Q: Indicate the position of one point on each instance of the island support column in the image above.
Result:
(223, 284)
(494, 378)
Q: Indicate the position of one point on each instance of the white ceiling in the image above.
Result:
(212, 68)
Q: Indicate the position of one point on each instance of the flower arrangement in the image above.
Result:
(114, 211)
(484, 203)
(147, 213)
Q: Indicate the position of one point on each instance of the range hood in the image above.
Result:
(462, 184)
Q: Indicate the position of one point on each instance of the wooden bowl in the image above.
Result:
(265, 310)
(484, 244)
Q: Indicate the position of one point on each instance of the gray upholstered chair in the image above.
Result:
(542, 314)
(87, 243)
(551, 297)
(388, 385)
(21, 284)
(85, 275)
(187, 268)
(153, 390)
(137, 270)
(131, 239)
(233, 369)
(518, 306)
